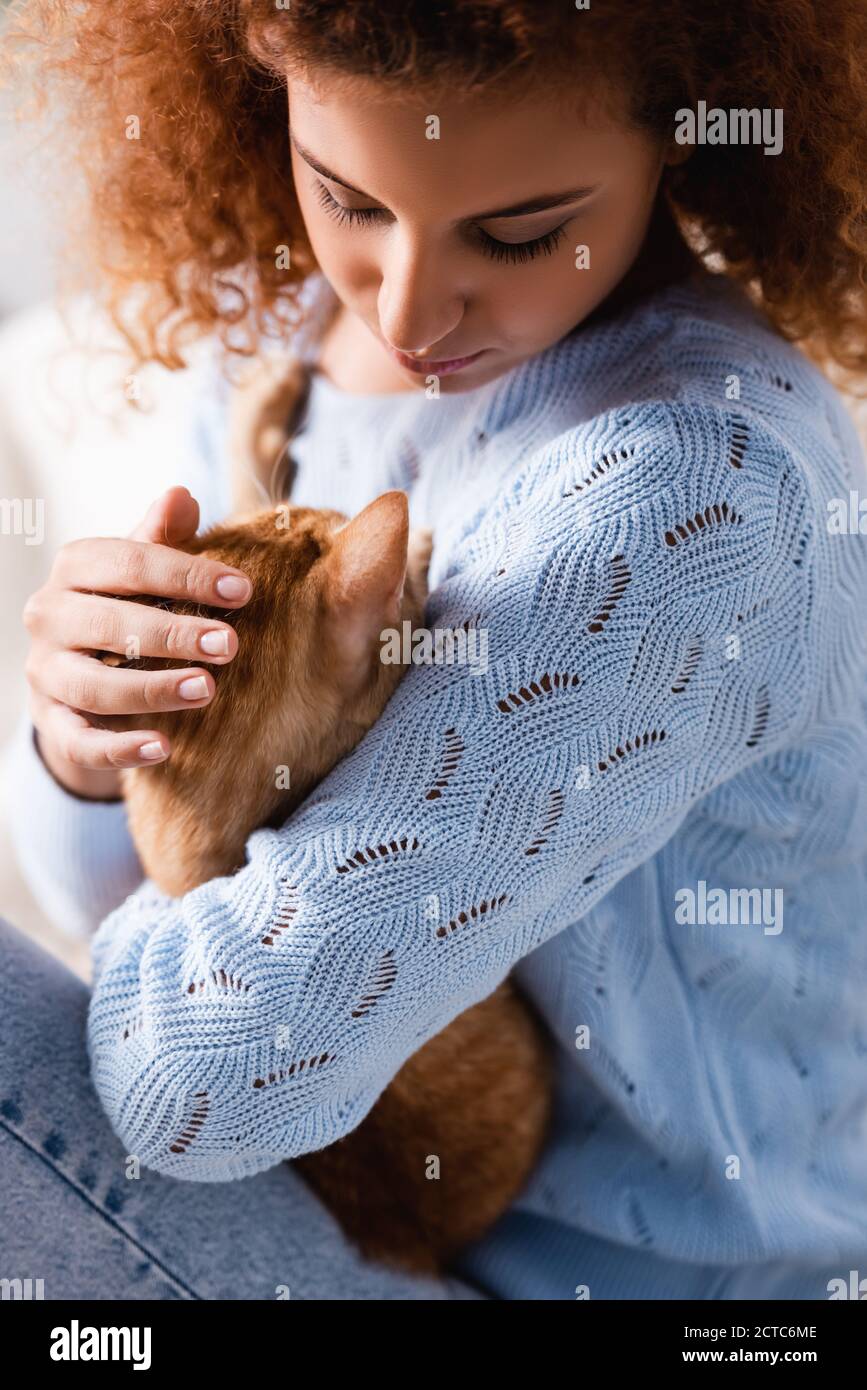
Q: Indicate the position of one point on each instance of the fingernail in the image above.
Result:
(215, 643)
(152, 751)
(193, 688)
(232, 587)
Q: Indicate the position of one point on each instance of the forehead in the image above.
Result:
(445, 149)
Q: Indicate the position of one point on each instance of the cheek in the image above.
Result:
(613, 239)
(332, 244)
(612, 236)
(338, 250)
(319, 226)
(544, 302)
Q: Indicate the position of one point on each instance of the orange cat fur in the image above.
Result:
(304, 687)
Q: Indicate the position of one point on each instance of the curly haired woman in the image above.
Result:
(592, 340)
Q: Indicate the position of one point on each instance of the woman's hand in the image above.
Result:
(72, 693)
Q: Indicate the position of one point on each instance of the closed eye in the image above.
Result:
(344, 215)
(522, 250)
(515, 251)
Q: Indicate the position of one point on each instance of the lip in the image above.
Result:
(430, 367)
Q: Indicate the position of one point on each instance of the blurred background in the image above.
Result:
(68, 436)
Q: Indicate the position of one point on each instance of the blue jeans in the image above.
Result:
(70, 1217)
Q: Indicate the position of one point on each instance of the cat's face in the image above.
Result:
(307, 680)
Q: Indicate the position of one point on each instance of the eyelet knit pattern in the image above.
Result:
(673, 695)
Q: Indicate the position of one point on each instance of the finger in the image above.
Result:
(93, 622)
(98, 750)
(112, 566)
(171, 519)
(93, 688)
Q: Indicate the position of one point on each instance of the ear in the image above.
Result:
(365, 575)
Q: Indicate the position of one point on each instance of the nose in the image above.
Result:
(418, 304)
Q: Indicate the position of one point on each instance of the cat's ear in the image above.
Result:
(366, 572)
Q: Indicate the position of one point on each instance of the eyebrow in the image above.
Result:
(523, 209)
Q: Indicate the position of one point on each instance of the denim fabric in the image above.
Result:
(70, 1216)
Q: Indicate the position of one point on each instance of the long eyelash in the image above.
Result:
(514, 252)
(341, 214)
(521, 250)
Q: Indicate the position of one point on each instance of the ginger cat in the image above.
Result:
(306, 684)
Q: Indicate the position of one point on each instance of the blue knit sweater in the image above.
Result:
(649, 801)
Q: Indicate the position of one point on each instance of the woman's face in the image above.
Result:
(490, 242)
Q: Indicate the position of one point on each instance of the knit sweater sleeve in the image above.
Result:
(495, 801)
(76, 856)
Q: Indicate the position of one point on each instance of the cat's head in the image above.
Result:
(307, 680)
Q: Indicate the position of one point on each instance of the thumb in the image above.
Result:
(171, 519)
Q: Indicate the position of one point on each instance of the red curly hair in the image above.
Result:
(195, 210)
